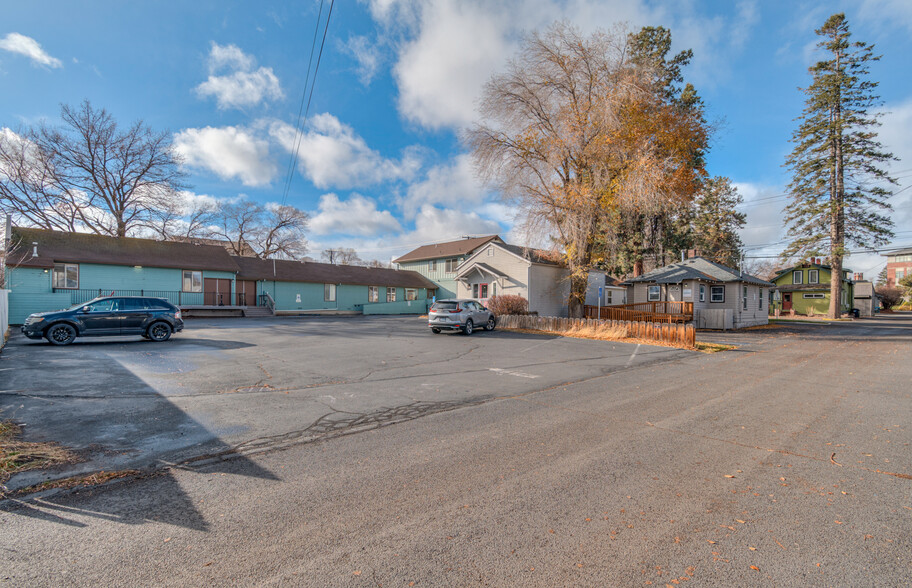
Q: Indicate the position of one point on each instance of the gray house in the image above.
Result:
(722, 297)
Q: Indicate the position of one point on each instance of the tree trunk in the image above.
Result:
(578, 286)
(837, 214)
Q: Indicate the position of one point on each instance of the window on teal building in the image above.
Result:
(66, 275)
(329, 292)
(193, 281)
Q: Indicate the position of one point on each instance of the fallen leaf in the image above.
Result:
(740, 521)
(206, 565)
(167, 539)
(356, 573)
(838, 522)
(712, 542)
(729, 476)
(755, 568)
(752, 548)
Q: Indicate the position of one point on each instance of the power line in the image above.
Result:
(298, 126)
(299, 132)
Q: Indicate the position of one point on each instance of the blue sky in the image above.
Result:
(381, 167)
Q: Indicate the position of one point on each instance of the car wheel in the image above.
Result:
(435, 331)
(468, 327)
(159, 331)
(491, 324)
(61, 334)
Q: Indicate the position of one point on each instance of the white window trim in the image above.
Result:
(373, 293)
(450, 265)
(744, 297)
(413, 292)
(712, 295)
(192, 273)
(702, 293)
(813, 276)
(814, 296)
(649, 293)
(799, 274)
(390, 294)
(65, 266)
(329, 292)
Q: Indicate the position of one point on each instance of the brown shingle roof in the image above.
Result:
(326, 273)
(448, 249)
(58, 246)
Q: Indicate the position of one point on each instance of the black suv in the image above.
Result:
(153, 318)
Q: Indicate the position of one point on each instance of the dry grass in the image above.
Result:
(601, 333)
(615, 334)
(77, 481)
(714, 347)
(18, 456)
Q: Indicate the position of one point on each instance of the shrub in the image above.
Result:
(889, 296)
(508, 304)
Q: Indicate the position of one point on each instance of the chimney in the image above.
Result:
(691, 253)
(638, 268)
(858, 276)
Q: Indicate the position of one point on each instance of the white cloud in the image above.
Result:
(356, 216)
(453, 184)
(229, 152)
(331, 154)
(433, 225)
(241, 85)
(890, 12)
(17, 43)
(367, 54)
(447, 49)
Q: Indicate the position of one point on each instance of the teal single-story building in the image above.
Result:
(49, 270)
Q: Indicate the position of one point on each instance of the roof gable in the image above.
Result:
(697, 268)
(448, 249)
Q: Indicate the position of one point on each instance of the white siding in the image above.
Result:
(549, 291)
(515, 268)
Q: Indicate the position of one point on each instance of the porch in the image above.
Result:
(650, 312)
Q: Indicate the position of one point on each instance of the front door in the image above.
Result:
(787, 301)
(246, 292)
(483, 293)
(216, 292)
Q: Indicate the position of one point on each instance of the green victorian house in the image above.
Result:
(805, 289)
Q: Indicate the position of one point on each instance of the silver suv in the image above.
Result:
(458, 314)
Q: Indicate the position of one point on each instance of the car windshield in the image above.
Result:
(445, 306)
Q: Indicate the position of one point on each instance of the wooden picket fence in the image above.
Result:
(672, 333)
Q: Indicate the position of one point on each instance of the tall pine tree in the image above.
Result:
(716, 221)
(838, 189)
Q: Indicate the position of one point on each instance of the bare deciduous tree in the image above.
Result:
(87, 174)
(342, 256)
(575, 129)
(270, 231)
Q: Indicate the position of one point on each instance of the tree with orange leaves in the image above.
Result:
(576, 131)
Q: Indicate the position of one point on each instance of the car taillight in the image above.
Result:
(455, 311)
(177, 314)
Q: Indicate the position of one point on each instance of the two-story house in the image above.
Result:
(899, 265)
(438, 262)
(805, 289)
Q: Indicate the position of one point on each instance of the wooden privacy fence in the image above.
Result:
(652, 312)
(672, 333)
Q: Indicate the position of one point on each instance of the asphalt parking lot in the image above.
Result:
(247, 385)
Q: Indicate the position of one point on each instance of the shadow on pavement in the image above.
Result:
(88, 402)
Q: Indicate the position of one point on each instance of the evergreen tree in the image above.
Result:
(716, 221)
(838, 194)
(882, 277)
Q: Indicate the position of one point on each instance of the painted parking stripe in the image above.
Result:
(512, 373)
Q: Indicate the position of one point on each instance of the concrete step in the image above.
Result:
(257, 311)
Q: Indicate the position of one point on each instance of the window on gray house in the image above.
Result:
(717, 294)
(655, 293)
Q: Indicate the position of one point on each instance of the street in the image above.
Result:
(783, 462)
